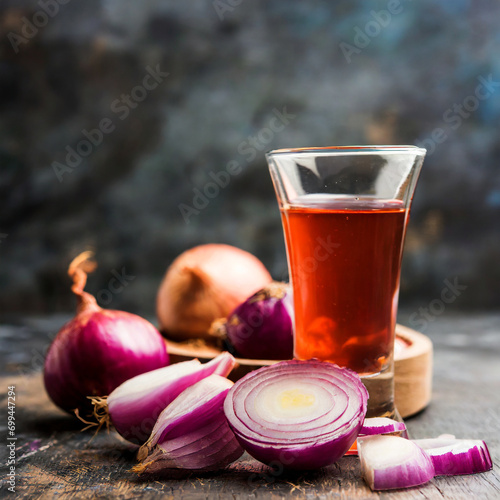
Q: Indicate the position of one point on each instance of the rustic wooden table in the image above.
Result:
(53, 459)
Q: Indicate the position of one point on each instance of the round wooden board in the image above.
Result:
(412, 366)
(412, 372)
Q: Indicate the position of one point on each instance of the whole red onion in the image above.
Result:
(98, 349)
(262, 326)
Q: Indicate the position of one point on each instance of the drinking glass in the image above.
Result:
(344, 212)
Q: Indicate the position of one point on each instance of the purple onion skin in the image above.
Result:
(196, 418)
(162, 463)
(398, 480)
(403, 477)
(97, 351)
(137, 422)
(208, 447)
(301, 458)
(262, 328)
(449, 463)
(206, 454)
(478, 460)
(193, 432)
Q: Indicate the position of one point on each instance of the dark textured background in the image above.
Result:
(227, 78)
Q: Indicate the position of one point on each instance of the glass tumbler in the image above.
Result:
(344, 212)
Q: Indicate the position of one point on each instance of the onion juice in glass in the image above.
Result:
(344, 212)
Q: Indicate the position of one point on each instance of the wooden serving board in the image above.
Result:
(412, 366)
(412, 371)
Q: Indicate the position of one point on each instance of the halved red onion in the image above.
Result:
(391, 462)
(381, 425)
(192, 432)
(134, 406)
(302, 414)
(452, 456)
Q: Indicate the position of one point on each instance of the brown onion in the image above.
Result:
(203, 284)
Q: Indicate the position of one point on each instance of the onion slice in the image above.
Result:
(301, 414)
(452, 456)
(381, 425)
(192, 432)
(391, 462)
(134, 406)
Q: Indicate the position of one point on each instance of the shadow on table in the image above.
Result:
(247, 474)
(45, 425)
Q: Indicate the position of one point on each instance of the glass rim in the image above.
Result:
(349, 150)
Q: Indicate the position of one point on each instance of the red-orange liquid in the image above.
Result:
(345, 257)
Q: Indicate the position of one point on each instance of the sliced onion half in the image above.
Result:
(301, 414)
(134, 406)
(452, 456)
(192, 432)
(392, 462)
